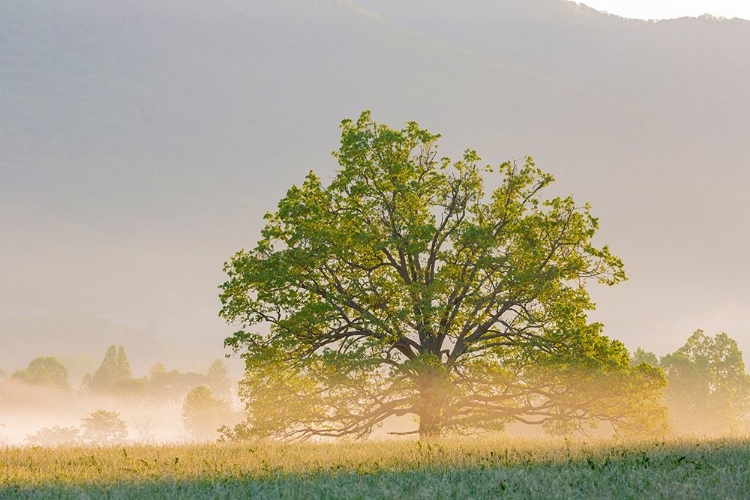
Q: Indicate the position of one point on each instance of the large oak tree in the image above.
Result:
(403, 288)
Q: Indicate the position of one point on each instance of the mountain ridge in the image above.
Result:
(144, 141)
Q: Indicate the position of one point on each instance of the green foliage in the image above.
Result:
(46, 371)
(402, 288)
(171, 386)
(709, 391)
(203, 413)
(641, 356)
(54, 436)
(218, 378)
(103, 427)
(114, 374)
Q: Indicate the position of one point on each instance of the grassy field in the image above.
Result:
(473, 468)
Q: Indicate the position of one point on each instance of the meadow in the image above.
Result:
(467, 468)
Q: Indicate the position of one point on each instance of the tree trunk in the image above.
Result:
(431, 410)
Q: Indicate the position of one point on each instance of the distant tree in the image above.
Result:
(79, 365)
(171, 386)
(203, 413)
(123, 363)
(45, 370)
(157, 370)
(161, 382)
(709, 391)
(134, 387)
(640, 356)
(114, 374)
(104, 427)
(2, 374)
(218, 378)
(54, 436)
(144, 429)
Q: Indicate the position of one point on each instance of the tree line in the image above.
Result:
(708, 390)
(201, 400)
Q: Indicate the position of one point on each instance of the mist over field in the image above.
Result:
(141, 143)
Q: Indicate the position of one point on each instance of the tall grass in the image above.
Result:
(471, 468)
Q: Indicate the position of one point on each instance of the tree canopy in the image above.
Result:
(114, 374)
(104, 427)
(170, 386)
(203, 413)
(709, 391)
(46, 371)
(218, 378)
(403, 288)
(54, 436)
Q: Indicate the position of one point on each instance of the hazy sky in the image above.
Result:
(668, 9)
(142, 142)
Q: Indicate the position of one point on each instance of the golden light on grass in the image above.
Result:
(449, 468)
